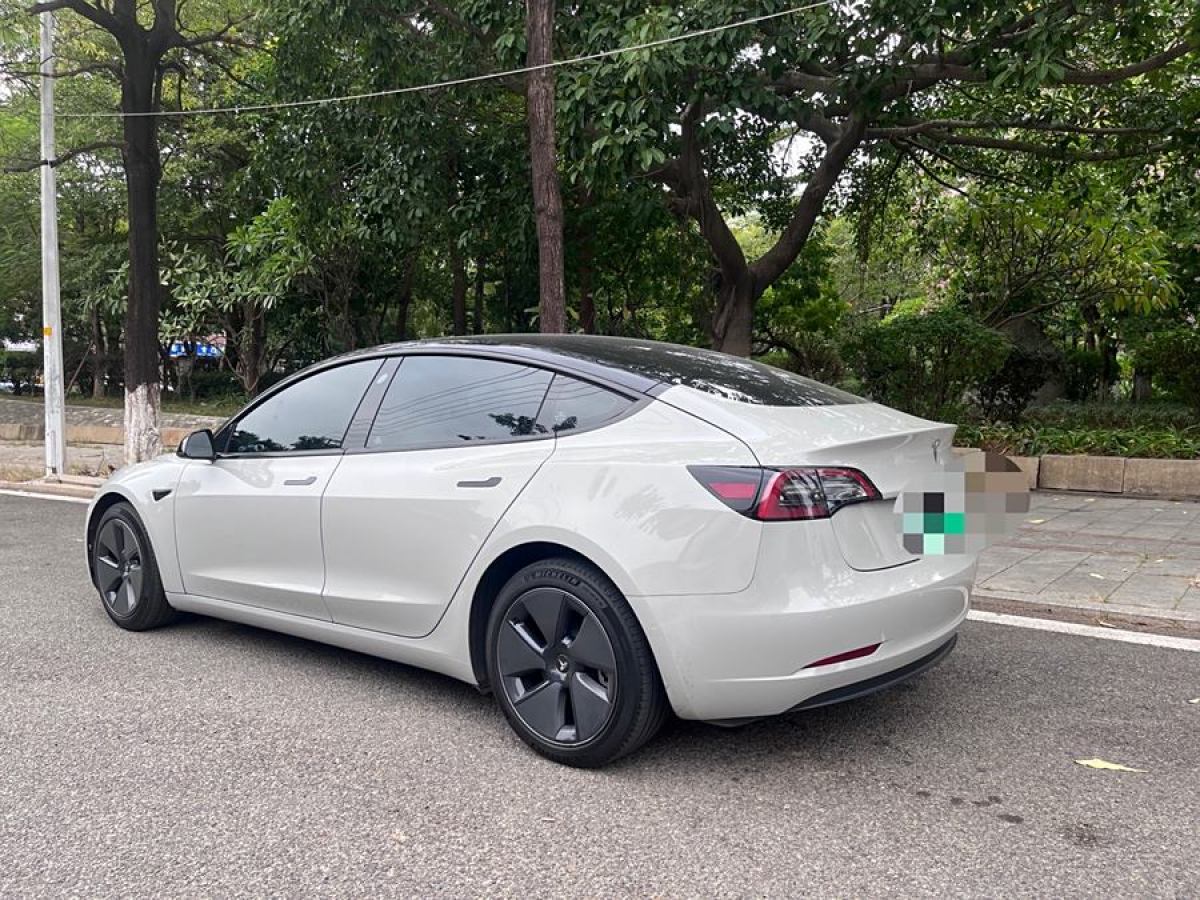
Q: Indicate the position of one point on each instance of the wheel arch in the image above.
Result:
(100, 506)
(493, 579)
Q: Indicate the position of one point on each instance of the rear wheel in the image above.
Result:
(126, 573)
(570, 665)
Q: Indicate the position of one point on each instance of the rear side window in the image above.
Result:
(312, 414)
(573, 405)
(437, 401)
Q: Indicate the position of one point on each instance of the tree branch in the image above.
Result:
(94, 14)
(768, 267)
(65, 157)
(1069, 154)
(910, 128)
(697, 194)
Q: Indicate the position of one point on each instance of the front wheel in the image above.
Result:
(126, 573)
(570, 666)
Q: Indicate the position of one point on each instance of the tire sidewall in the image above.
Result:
(151, 585)
(599, 598)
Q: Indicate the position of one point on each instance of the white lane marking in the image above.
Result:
(1108, 634)
(38, 496)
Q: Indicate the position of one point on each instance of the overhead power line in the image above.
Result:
(455, 82)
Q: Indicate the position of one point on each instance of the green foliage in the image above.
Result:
(20, 369)
(1038, 440)
(927, 363)
(1121, 416)
(1174, 358)
(1082, 372)
(1006, 393)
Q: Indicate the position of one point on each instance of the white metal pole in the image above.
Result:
(52, 366)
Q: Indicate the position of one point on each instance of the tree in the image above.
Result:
(1081, 82)
(143, 56)
(547, 195)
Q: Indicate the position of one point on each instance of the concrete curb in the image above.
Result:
(1158, 479)
(88, 434)
(76, 487)
(1090, 607)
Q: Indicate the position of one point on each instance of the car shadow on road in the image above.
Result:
(886, 723)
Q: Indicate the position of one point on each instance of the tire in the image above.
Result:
(125, 572)
(570, 665)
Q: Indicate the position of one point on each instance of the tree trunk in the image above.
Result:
(1142, 386)
(587, 299)
(142, 404)
(547, 194)
(458, 287)
(100, 356)
(252, 349)
(405, 299)
(478, 323)
(733, 324)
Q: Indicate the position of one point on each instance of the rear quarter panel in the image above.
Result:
(622, 495)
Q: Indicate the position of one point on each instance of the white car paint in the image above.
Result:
(249, 531)
(384, 552)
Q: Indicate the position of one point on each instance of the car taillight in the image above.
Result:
(774, 495)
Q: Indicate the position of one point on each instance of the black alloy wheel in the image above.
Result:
(570, 665)
(557, 666)
(125, 571)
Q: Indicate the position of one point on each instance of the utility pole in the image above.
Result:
(52, 354)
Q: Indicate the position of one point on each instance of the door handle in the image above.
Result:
(484, 483)
(300, 482)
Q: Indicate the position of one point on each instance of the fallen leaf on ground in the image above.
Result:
(1096, 575)
(1034, 521)
(1105, 764)
(1195, 702)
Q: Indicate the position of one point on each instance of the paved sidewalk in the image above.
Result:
(23, 460)
(31, 412)
(1100, 553)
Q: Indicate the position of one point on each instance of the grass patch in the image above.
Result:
(221, 407)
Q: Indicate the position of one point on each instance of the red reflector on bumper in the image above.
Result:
(843, 657)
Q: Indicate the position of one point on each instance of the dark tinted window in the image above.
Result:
(311, 414)
(440, 400)
(726, 376)
(572, 405)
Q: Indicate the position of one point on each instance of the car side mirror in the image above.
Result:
(199, 445)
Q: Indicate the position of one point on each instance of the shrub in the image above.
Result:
(925, 363)
(1065, 414)
(1038, 440)
(215, 384)
(1174, 357)
(1005, 395)
(21, 369)
(1083, 372)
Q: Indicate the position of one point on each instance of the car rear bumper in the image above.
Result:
(751, 654)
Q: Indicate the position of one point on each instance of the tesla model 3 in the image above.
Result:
(598, 531)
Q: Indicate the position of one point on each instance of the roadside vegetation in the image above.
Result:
(982, 212)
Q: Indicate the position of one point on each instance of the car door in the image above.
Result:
(453, 444)
(248, 524)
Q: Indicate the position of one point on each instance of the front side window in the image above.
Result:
(437, 401)
(312, 414)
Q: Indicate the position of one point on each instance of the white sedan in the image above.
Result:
(596, 530)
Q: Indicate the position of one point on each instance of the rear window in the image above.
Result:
(726, 376)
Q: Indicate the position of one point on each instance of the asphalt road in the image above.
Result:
(213, 759)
